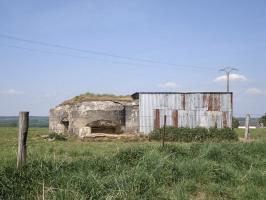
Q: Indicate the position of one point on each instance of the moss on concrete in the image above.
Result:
(96, 97)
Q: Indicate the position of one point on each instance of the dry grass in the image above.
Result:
(125, 137)
(96, 97)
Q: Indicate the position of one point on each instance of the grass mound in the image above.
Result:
(96, 97)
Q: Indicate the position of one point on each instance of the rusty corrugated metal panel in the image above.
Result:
(210, 103)
(224, 119)
(175, 118)
(214, 102)
(217, 102)
(194, 109)
(157, 119)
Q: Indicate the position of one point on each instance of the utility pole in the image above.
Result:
(228, 71)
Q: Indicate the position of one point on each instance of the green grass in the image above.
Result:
(257, 134)
(194, 134)
(34, 121)
(74, 169)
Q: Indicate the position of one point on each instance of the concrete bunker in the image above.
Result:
(94, 115)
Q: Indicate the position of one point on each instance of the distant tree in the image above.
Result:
(263, 120)
(235, 123)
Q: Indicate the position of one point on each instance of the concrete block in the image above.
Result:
(84, 131)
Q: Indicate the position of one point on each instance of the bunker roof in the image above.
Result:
(96, 97)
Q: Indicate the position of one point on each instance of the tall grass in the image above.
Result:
(226, 171)
(102, 170)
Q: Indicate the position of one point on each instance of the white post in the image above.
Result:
(247, 131)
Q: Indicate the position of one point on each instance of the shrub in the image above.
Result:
(262, 120)
(194, 134)
(235, 123)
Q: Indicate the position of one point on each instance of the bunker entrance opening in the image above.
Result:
(103, 129)
(66, 125)
(103, 126)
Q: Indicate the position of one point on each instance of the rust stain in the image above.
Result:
(224, 119)
(157, 119)
(210, 102)
(214, 102)
(217, 103)
(183, 103)
(175, 118)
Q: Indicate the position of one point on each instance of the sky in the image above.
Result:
(51, 51)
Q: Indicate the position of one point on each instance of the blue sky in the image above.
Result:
(199, 37)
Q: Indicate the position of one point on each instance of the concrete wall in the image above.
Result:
(132, 118)
(57, 118)
(117, 117)
(70, 119)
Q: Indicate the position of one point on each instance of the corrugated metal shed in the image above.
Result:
(199, 109)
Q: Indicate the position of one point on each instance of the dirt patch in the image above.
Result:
(111, 137)
(244, 140)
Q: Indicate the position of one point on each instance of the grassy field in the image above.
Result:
(34, 121)
(257, 134)
(74, 169)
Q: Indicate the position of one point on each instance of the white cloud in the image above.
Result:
(11, 92)
(168, 85)
(232, 77)
(255, 91)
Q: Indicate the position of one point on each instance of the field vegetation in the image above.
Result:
(96, 97)
(194, 134)
(34, 121)
(72, 169)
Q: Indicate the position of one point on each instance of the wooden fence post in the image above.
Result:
(22, 138)
(247, 131)
(164, 125)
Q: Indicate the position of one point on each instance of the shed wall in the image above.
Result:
(185, 110)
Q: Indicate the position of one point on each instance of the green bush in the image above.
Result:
(236, 122)
(194, 134)
(263, 120)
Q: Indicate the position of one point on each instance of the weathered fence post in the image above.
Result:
(247, 131)
(22, 138)
(164, 125)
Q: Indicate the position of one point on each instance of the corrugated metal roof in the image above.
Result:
(136, 94)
